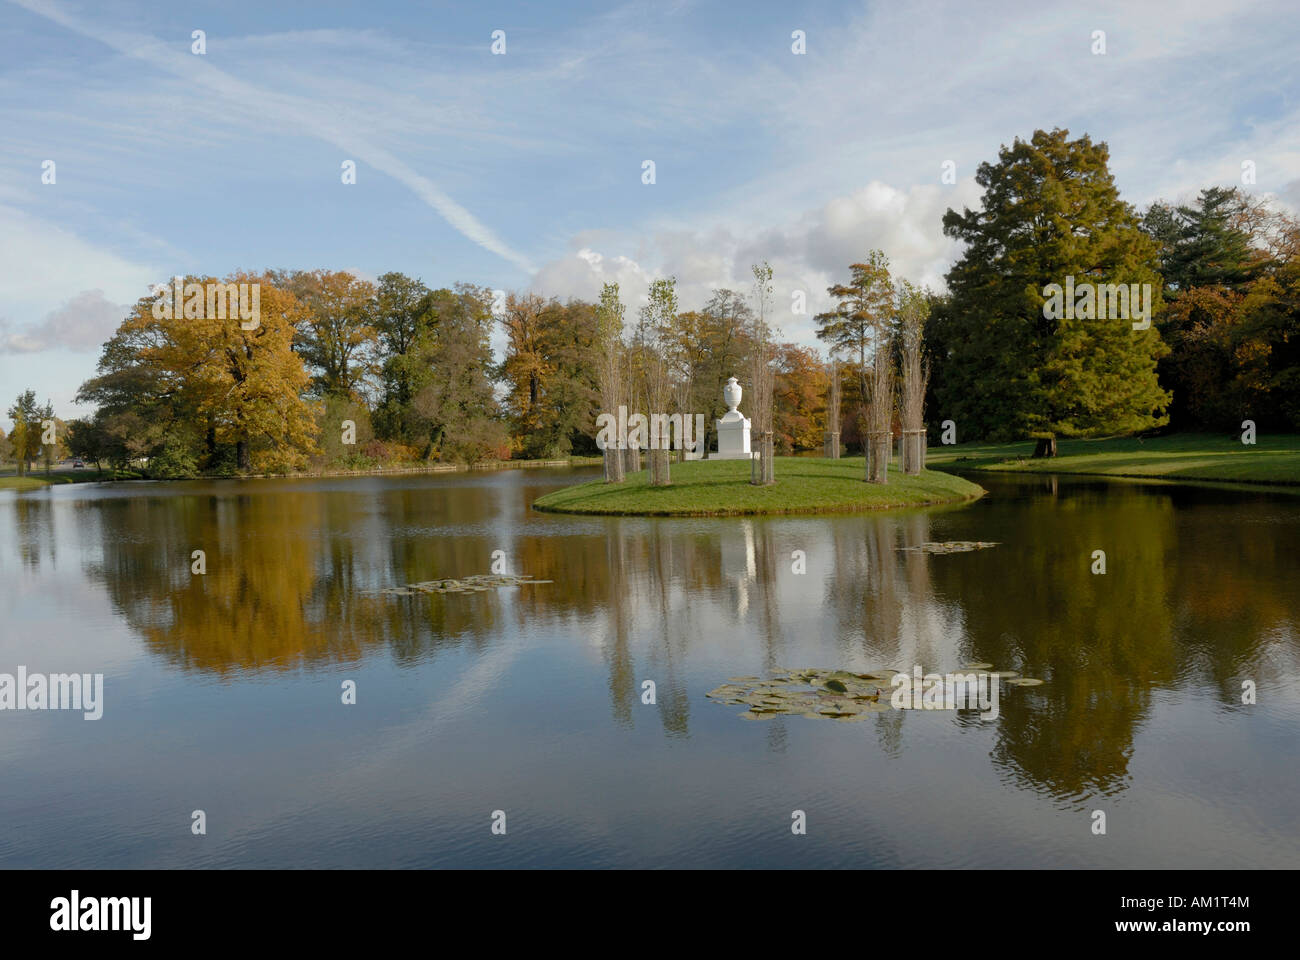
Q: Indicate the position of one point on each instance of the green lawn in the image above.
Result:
(22, 483)
(722, 488)
(37, 478)
(1273, 458)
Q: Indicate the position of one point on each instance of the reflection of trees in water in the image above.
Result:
(33, 530)
(263, 603)
(1236, 583)
(671, 634)
(863, 596)
(1202, 592)
(617, 603)
(767, 567)
(1101, 642)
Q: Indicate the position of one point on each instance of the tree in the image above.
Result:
(550, 374)
(1050, 215)
(654, 335)
(1229, 321)
(858, 324)
(609, 368)
(833, 404)
(403, 316)
(336, 332)
(86, 441)
(913, 309)
(28, 418)
(207, 382)
(761, 375)
(1202, 245)
(799, 403)
(453, 407)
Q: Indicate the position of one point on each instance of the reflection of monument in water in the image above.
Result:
(738, 564)
(733, 428)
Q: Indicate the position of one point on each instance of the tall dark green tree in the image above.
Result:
(1203, 244)
(404, 318)
(454, 413)
(1229, 264)
(1050, 214)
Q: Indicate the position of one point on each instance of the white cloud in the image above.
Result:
(808, 253)
(81, 324)
(41, 264)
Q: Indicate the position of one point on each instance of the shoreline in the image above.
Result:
(36, 480)
(805, 486)
(1273, 461)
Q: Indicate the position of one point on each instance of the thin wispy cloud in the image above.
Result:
(290, 112)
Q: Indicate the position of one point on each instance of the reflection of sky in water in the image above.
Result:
(222, 692)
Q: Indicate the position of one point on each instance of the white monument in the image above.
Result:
(733, 428)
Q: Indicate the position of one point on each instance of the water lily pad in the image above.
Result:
(977, 666)
(814, 693)
(950, 546)
(475, 583)
(1025, 682)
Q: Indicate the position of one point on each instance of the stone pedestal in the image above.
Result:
(733, 428)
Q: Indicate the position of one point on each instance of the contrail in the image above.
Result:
(284, 111)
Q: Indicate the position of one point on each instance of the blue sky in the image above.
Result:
(523, 171)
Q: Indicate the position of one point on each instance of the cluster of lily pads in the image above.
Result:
(826, 694)
(817, 694)
(475, 583)
(951, 546)
(1010, 677)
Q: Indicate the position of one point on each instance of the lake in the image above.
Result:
(223, 691)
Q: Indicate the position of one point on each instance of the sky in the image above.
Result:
(524, 170)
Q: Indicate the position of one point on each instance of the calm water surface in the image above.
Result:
(222, 691)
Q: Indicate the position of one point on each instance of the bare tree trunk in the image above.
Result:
(659, 467)
(1046, 447)
(769, 461)
(631, 460)
(912, 458)
(878, 456)
(833, 403)
(613, 465)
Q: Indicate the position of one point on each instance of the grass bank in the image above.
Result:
(722, 488)
(37, 479)
(1273, 459)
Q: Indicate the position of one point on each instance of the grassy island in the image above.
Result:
(722, 488)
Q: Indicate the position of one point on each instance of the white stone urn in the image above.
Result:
(733, 428)
(731, 395)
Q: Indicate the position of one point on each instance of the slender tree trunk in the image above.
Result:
(659, 467)
(832, 447)
(241, 455)
(912, 452)
(878, 456)
(613, 465)
(769, 461)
